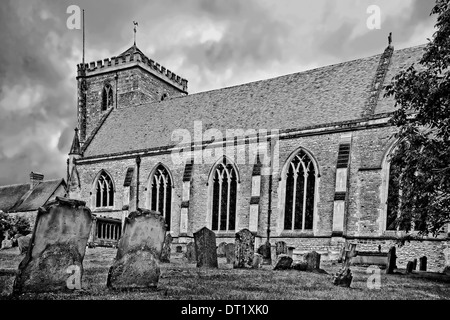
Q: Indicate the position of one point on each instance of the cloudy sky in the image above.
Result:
(212, 43)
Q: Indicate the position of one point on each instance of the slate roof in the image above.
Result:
(329, 94)
(19, 198)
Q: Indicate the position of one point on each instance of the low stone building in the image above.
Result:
(24, 199)
(301, 158)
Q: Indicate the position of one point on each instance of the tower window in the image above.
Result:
(107, 97)
(224, 191)
(104, 191)
(300, 191)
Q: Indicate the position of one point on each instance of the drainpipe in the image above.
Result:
(138, 165)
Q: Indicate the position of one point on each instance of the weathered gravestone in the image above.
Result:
(244, 249)
(165, 254)
(284, 262)
(257, 261)
(265, 251)
(392, 260)
(221, 250)
(205, 248)
(229, 252)
(54, 261)
(190, 253)
(281, 247)
(23, 243)
(423, 263)
(409, 267)
(312, 260)
(7, 244)
(136, 265)
(343, 278)
(415, 264)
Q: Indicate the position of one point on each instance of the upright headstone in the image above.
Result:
(23, 243)
(415, 264)
(281, 248)
(205, 248)
(136, 265)
(409, 267)
(165, 254)
(392, 261)
(423, 263)
(313, 260)
(265, 251)
(190, 252)
(54, 260)
(244, 249)
(221, 250)
(229, 253)
(257, 261)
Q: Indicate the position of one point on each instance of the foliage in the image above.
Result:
(422, 151)
(13, 225)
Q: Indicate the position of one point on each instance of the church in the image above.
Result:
(302, 158)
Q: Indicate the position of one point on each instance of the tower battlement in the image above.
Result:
(129, 60)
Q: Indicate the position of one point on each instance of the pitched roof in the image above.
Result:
(325, 95)
(20, 198)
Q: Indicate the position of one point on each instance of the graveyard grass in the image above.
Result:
(180, 280)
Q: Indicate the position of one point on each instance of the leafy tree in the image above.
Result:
(422, 93)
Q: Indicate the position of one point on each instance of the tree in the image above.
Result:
(422, 95)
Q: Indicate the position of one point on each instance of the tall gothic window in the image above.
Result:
(104, 191)
(224, 191)
(300, 190)
(107, 97)
(393, 199)
(161, 193)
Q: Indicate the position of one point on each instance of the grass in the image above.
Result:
(180, 280)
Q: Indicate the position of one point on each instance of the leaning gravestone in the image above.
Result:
(23, 243)
(244, 249)
(165, 254)
(312, 260)
(392, 258)
(54, 261)
(229, 253)
(284, 262)
(190, 253)
(343, 278)
(281, 248)
(205, 248)
(221, 250)
(136, 265)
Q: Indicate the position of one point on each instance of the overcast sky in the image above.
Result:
(212, 43)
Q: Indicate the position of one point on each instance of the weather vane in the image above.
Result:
(135, 30)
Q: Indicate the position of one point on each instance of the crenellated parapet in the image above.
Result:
(129, 60)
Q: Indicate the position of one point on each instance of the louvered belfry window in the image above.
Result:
(300, 192)
(161, 193)
(224, 192)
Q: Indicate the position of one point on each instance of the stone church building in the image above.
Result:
(301, 158)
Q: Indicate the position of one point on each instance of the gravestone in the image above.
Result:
(446, 269)
(23, 243)
(264, 251)
(136, 265)
(7, 244)
(409, 267)
(284, 262)
(343, 278)
(190, 253)
(392, 260)
(221, 250)
(299, 265)
(165, 254)
(54, 260)
(281, 247)
(244, 249)
(257, 261)
(313, 260)
(423, 263)
(205, 248)
(415, 264)
(229, 253)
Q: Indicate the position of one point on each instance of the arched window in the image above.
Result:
(104, 191)
(224, 197)
(393, 198)
(300, 179)
(161, 193)
(107, 97)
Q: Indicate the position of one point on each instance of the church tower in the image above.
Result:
(124, 81)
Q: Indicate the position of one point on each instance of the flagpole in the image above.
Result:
(84, 40)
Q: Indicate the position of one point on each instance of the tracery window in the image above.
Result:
(161, 193)
(107, 97)
(104, 191)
